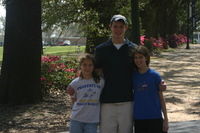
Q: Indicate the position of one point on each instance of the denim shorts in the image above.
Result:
(82, 127)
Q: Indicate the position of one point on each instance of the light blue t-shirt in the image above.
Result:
(146, 99)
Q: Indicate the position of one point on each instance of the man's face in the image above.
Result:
(118, 29)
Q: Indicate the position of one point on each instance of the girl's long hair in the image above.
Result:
(90, 57)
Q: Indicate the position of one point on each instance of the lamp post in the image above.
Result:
(188, 25)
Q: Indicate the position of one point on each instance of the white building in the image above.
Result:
(196, 36)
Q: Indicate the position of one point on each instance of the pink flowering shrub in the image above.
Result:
(161, 43)
(176, 40)
(152, 43)
(57, 72)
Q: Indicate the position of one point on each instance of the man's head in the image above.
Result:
(118, 17)
(118, 26)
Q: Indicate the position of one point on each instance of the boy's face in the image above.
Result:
(118, 29)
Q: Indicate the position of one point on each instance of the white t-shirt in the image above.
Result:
(118, 46)
(87, 106)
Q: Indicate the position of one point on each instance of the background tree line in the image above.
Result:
(25, 20)
(158, 18)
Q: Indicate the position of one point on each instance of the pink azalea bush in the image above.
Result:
(57, 72)
(161, 43)
(152, 43)
(176, 40)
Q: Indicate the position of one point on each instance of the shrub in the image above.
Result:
(172, 41)
(176, 40)
(152, 44)
(57, 72)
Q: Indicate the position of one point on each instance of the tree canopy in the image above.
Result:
(158, 17)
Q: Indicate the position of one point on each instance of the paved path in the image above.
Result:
(181, 70)
(180, 127)
(185, 127)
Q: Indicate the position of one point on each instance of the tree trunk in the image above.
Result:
(21, 66)
(135, 38)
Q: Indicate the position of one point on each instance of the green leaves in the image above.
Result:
(57, 72)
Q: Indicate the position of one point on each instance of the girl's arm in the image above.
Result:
(162, 86)
(73, 100)
(98, 71)
(164, 111)
(70, 90)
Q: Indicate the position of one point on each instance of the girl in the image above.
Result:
(149, 103)
(86, 105)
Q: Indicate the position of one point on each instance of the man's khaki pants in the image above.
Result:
(116, 117)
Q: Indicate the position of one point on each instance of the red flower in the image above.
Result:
(42, 79)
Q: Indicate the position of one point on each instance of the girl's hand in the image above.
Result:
(162, 86)
(70, 90)
(165, 125)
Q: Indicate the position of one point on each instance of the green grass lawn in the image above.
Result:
(56, 50)
(62, 50)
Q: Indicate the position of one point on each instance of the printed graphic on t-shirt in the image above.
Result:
(142, 87)
(90, 95)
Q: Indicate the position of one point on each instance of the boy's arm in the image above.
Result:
(164, 111)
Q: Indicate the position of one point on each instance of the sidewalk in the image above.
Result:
(184, 127)
(181, 127)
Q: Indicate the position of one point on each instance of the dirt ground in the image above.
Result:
(180, 69)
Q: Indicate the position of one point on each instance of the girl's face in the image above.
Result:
(118, 29)
(87, 67)
(140, 60)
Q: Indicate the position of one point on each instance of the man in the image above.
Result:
(114, 60)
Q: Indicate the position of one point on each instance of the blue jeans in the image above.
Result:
(82, 127)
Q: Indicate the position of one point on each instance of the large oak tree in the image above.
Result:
(20, 72)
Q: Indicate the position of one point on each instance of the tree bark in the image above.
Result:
(135, 38)
(21, 65)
